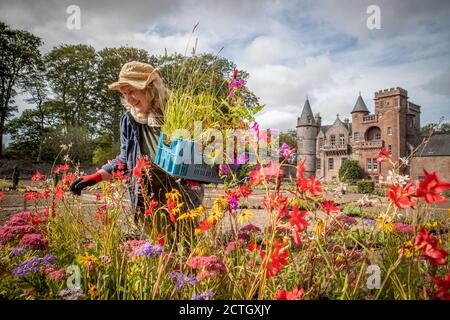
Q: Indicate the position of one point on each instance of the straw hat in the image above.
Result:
(136, 74)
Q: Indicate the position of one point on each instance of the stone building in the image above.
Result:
(394, 124)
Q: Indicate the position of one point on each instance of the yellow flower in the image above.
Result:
(93, 291)
(318, 228)
(245, 216)
(200, 251)
(89, 261)
(193, 213)
(219, 207)
(408, 249)
(384, 225)
(174, 194)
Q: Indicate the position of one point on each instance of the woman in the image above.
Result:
(143, 95)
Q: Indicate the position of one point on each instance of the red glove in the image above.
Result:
(85, 181)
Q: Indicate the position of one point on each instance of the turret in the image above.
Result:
(307, 130)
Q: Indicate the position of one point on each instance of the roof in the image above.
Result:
(360, 106)
(438, 145)
(306, 114)
(324, 129)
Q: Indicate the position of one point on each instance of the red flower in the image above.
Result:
(37, 176)
(298, 221)
(142, 164)
(312, 185)
(254, 246)
(68, 179)
(61, 168)
(300, 170)
(204, 226)
(428, 245)
(383, 153)
(400, 196)
(245, 191)
(149, 211)
(2, 194)
(443, 293)
(272, 169)
(329, 206)
(295, 294)
(277, 259)
(281, 203)
(59, 193)
(431, 187)
(255, 176)
(31, 196)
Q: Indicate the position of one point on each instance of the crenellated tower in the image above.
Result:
(307, 130)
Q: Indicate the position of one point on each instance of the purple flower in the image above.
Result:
(284, 150)
(148, 250)
(182, 279)
(20, 271)
(19, 251)
(242, 159)
(224, 169)
(34, 264)
(202, 296)
(50, 259)
(235, 84)
(369, 221)
(233, 202)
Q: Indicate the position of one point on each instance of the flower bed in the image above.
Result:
(309, 249)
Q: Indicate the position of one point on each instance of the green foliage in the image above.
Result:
(103, 151)
(19, 53)
(366, 186)
(349, 171)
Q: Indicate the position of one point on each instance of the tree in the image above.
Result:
(444, 128)
(349, 170)
(35, 85)
(71, 73)
(19, 51)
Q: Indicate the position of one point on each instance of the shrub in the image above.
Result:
(349, 170)
(366, 186)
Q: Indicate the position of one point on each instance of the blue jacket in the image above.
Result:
(130, 151)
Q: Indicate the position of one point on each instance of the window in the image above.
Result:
(377, 135)
(320, 142)
(341, 139)
(369, 164)
(318, 164)
(389, 131)
(390, 148)
(330, 164)
(356, 136)
(374, 165)
(333, 140)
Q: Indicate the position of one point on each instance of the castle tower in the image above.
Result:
(307, 130)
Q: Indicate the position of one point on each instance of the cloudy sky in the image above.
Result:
(292, 49)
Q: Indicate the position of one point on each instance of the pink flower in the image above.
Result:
(57, 275)
(210, 266)
(233, 245)
(250, 228)
(402, 228)
(34, 240)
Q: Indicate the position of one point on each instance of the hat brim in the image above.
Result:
(140, 85)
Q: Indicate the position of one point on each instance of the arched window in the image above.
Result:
(373, 133)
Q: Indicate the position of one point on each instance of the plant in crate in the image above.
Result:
(183, 153)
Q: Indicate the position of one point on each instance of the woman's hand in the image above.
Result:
(85, 181)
